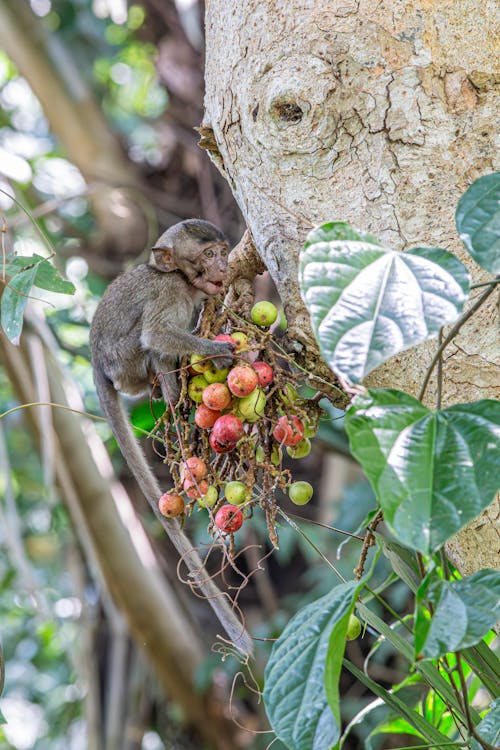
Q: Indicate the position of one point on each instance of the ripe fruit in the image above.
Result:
(289, 430)
(235, 493)
(213, 375)
(196, 387)
(300, 493)
(264, 373)
(209, 498)
(197, 363)
(251, 408)
(216, 396)
(264, 313)
(205, 417)
(219, 447)
(228, 429)
(171, 505)
(241, 340)
(225, 337)
(229, 518)
(193, 468)
(242, 380)
(195, 489)
(300, 450)
(353, 628)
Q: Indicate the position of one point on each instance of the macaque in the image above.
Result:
(141, 328)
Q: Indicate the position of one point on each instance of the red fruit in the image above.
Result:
(193, 468)
(242, 380)
(219, 447)
(171, 505)
(197, 489)
(205, 417)
(216, 396)
(264, 373)
(228, 430)
(229, 518)
(225, 337)
(289, 430)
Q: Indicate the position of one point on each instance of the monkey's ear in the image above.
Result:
(162, 258)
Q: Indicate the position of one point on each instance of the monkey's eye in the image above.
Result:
(224, 251)
(208, 253)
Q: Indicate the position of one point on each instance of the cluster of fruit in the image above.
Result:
(243, 417)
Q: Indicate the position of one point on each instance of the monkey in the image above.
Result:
(140, 329)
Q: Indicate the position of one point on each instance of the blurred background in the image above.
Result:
(99, 101)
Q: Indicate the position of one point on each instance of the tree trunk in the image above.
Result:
(380, 114)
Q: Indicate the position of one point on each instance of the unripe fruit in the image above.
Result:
(229, 518)
(264, 373)
(205, 417)
(300, 450)
(197, 489)
(216, 396)
(353, 628)
(225, 337)
(219, 447)
(209, 498)
(252, 407)
(264, 314)
(213, 375)
(235, 493)
(228, 429)
(310, 430)
(300, 493)
(242, 380)
(275, 455)
(241, 340)
(289, 395)
(193, 468)
(196, 386)
(171, 505)
(199, 363)
(289, 430)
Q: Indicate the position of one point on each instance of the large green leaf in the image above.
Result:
(368, 302)
(46, 276)
(464, 611)
(489, 727)
(478, 221)
(294, 690)
(432, 472)
(13, 303)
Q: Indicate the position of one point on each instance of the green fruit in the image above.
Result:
(353, 628)
(264, 314)
(196, 386)
(300, 493)
(213, 375)
(209, 498)
(275, 455)
(197, 364)
(235, 493)
(310, 430)
(252, 407)
(289, 395)
(259, 454)
(300, 450)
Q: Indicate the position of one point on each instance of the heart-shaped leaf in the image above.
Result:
(13, 303)
(478, 221)
(294, 691)
(432, 472)
(464, 611)
(368, 302)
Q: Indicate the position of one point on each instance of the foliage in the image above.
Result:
(432, 472)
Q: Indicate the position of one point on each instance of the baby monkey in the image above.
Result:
(141, 328)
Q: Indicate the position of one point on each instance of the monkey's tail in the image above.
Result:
(117, 417)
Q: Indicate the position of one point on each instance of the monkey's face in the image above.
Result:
(210, 267)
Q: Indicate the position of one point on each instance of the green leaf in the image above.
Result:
(478, 221)
(464, 611)
(13, 303)
(432, 472)
(368, 302)
(294, 692)
(403, 561)
(489, 727)
(46, 277)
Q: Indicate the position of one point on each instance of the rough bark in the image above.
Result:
(377, 113)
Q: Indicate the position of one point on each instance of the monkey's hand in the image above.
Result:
(221, 351)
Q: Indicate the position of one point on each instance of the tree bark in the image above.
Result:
(380, 114)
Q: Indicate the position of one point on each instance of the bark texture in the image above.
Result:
(378, 113)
